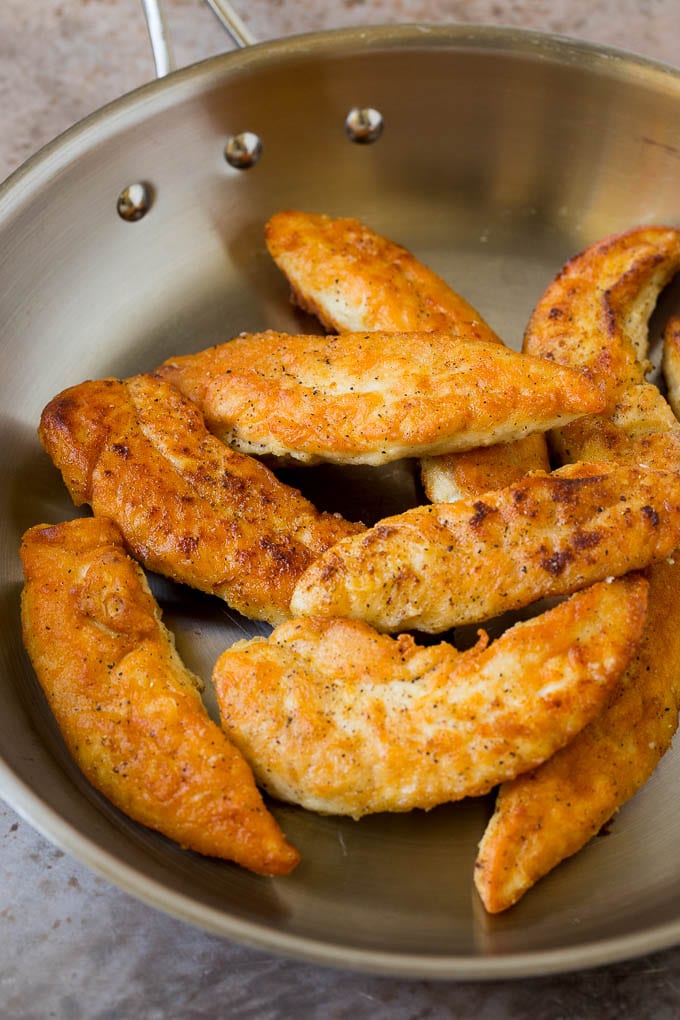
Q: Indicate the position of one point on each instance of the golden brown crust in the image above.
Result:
(353, 279)
(188, 507)
(671, 362)
(128, 709)
(455, 476)
(595, 315)
(374, 397)
(551, 812)
(442, 565)
(338, 718)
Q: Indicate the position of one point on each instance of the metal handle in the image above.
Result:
(160, 40)
(238, 31)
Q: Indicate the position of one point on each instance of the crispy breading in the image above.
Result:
(340, 719)
(671, 362)
(189, 507)
(370, 398)
(129, 710)
(595, 315)
(353, 279)
(453, 476)
(550, 813)
(445, 564)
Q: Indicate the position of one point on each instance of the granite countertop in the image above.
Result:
(73, 945)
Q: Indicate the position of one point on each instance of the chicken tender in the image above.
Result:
(371, 398)
(551, 812)
(671, 362)
(447, 564)
(353, 279)
(594, 315)
(189, 507)
(343, 720)
(129, 711)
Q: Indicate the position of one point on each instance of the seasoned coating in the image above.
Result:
(371, 398)
(453, 476)
(139, 453)
(445, 564)
(595, 313)
(602, 301)
(343, 720)
(551, 812)
(129, 711)
(594, 317)
(353, 279)
(671, 362)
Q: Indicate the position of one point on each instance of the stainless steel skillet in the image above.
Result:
(502, 153)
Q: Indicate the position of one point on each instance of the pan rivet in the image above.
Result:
(243, 151)
(364, 125)
(134, 201)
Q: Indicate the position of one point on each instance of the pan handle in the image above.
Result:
(161, 46)
(236, 28)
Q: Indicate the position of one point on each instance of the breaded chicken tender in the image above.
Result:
(447, 564)
(671, 362)
(371, 398)
(594, 315)
(189, 507)
(129, 711)
(343, 720)
(353, 279)
(551, 812)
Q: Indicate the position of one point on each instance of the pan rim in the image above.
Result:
(188, 80)
(19, 188)
(583, 956)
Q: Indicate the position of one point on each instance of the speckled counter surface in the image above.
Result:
(73, 946)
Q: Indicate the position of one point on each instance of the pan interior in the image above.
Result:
(502, 155)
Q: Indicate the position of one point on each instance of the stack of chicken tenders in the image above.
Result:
(547, 474)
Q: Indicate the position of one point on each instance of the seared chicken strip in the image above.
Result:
(189, 507)
(595, 315)
(370, 398)
(353, 279)
(129, 711)
(446, 564)
(343, 720)
(671, 362)
(550, 813)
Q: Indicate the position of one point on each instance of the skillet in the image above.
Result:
(502, 153)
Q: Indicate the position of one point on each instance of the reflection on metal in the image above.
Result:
(236, 28)
(160, 41)
(364, 125)
(243, 151)
(134, 201)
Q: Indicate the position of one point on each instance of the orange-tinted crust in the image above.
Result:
(341, 719)
(374, 397)
(447, 564)
(671, 362)
(189, 507)
(128, 709)
(594, 315)
(548, 814)
(353, 279)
